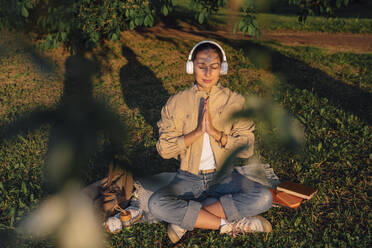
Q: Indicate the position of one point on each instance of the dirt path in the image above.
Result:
(357, 43)
(335, 42)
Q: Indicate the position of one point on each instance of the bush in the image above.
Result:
(82, 23)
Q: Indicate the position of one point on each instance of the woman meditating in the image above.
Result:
(195, 127)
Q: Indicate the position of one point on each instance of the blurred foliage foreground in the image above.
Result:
(64, 117)
(87, 23)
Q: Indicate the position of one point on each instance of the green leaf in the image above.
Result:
(12, 216)
(251, 30)
(138, 21)
(147, 21)
(24, 12)
(28, 4)
(320, 146)
(3, 227)
(241, 24)
(55, 43)
(164, 10)
(1, 186)
(297, 222)
(114, 37)
(228, 165)
(24, 188)
(131, 25)
(63, 36)
(201, 17)
(338, 3)
(255, 22)
(244, 30)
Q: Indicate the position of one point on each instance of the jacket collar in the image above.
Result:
(214, 90)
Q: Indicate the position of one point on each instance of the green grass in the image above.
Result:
(328, 93)
(286, 19)
(273, 22)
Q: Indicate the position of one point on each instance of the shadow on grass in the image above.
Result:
(302, 76)
(141, 88)
(78, 121)
(75, 122)
(2, 53)
(143, 91)
(14, 43)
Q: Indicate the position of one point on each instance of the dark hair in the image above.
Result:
(207, 46)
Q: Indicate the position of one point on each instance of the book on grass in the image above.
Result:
(284, 199)
(297, 189)
(290, 200)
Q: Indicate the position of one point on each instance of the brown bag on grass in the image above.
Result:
(116, 190)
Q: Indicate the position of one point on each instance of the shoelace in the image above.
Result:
(244, 225)
(240, 226)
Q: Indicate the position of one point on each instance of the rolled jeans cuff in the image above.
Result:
(191, 214)
(229, 207)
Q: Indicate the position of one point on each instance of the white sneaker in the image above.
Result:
(113, 225)
(247, 225)
(175, 232)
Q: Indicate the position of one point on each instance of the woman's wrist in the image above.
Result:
(220, 138)
(198, 131)
(192, 136)
(216, 134)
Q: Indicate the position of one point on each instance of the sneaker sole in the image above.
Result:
(265, 223)
(172, 235)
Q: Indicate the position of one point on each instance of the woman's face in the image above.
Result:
(207, 66)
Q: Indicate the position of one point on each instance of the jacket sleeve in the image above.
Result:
(241, 133)
(171, 140)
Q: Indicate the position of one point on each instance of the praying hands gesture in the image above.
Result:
(205, 125)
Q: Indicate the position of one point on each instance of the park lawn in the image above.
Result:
(284, 17)
(328, 93)
(271, 22)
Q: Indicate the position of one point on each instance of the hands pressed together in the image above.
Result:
(205, 125)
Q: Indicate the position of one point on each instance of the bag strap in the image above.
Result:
(112, 176)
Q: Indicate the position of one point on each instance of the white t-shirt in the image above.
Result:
(207, 160)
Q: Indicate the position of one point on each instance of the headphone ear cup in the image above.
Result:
(189, 67)
(223, 68)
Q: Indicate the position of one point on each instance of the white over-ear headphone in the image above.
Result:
(190, 63)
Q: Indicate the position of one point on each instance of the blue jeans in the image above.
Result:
(180, 202)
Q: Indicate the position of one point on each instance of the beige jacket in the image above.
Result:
(180, 116)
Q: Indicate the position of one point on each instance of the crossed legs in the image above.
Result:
(210, 217)
(179, 203)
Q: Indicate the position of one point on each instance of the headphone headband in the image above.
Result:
(211, 42)
(190, 63)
